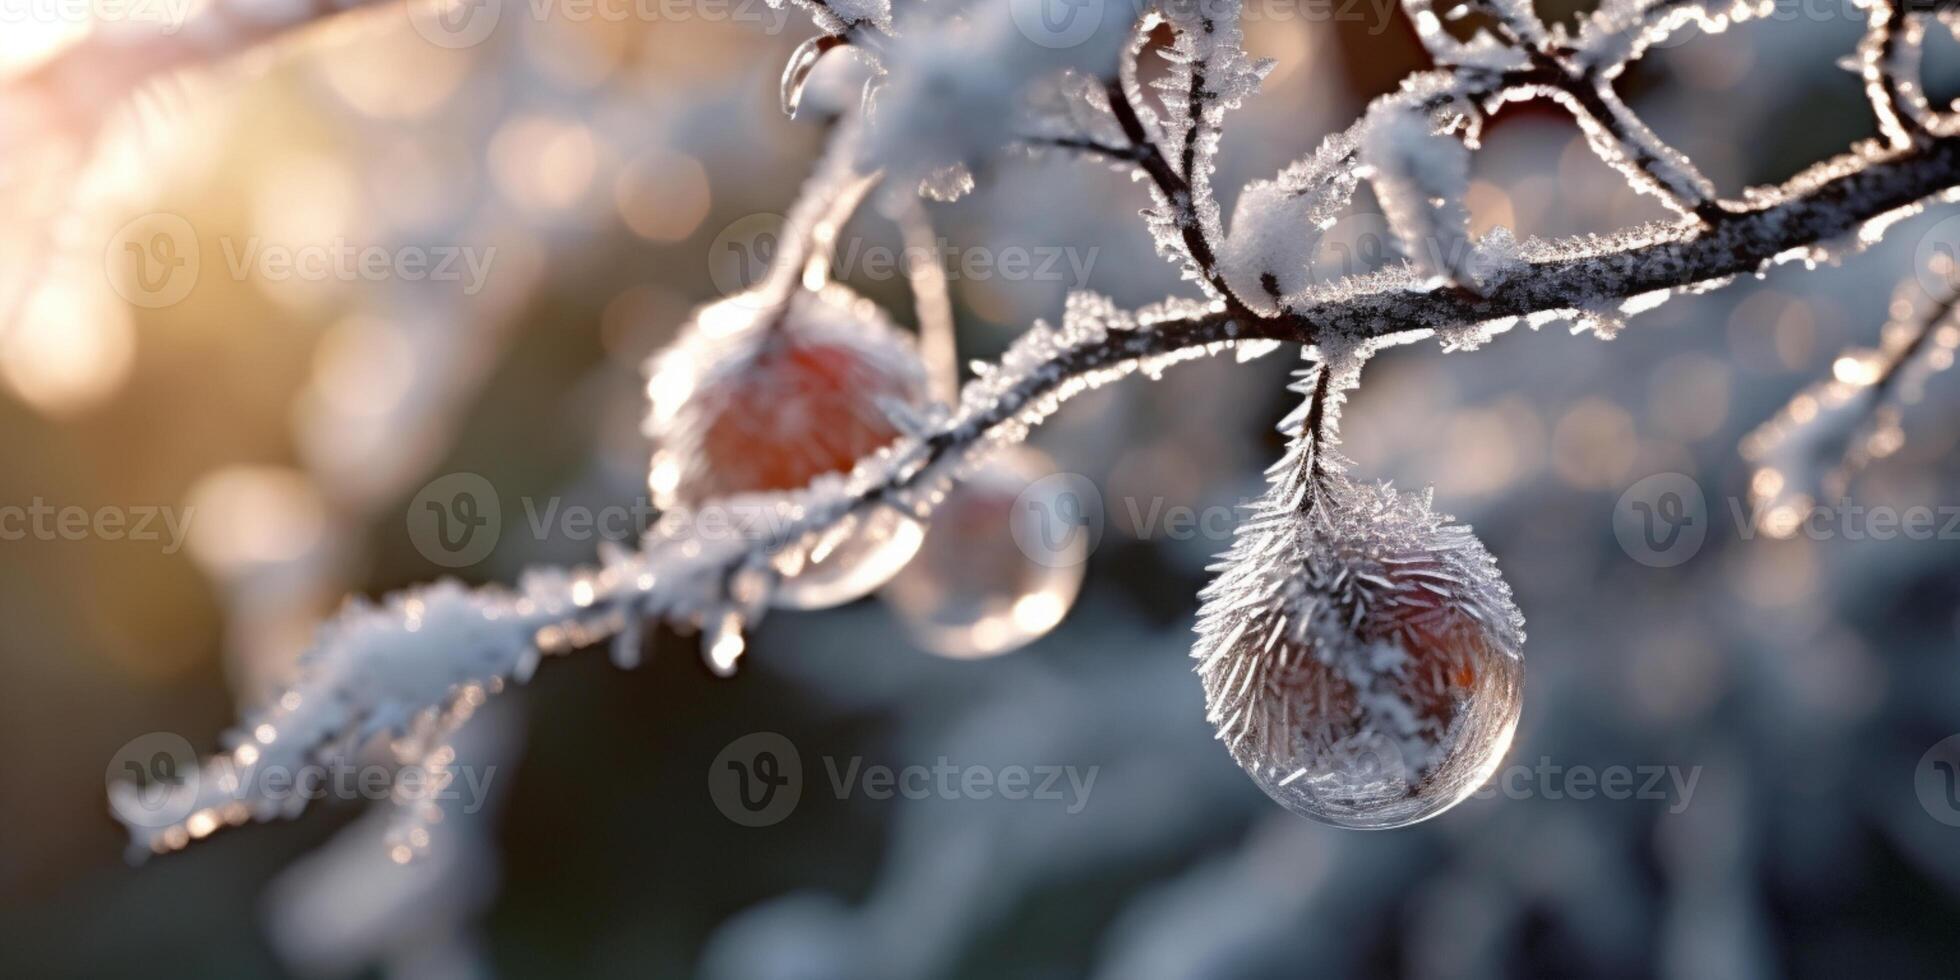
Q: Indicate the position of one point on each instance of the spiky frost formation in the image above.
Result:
(1361, 656)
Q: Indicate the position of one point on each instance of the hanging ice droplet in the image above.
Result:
(803, 61)
(1362, 658)
(996, 571)
(761, 394)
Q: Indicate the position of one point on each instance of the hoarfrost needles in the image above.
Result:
(1361, 657)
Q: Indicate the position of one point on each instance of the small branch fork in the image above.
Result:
(1170, 183)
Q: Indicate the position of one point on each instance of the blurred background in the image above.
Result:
(1785, 691)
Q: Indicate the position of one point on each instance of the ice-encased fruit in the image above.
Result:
(760, 394)
(1362, 659)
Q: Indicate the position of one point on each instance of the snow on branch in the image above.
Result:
(1421, 177)
(413, 667)
(417, 661)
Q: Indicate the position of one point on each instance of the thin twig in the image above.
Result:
(1176, 190)
(931, 301)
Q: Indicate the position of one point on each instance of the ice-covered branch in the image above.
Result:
(1620, 138)
(1888, 61)
(418, 661)
(1838, 205)
(1210, 75)
(415, 666)
(1532, 61)
(1809, 451)
(1177, 199)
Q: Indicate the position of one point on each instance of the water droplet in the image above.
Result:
(865, 559)
(972, 591)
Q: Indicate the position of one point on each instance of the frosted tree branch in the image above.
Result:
(1808, 453)
(1536, 61)
(415, 666)
(1889, 64)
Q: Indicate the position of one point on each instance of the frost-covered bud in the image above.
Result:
(1268, 254)
(758, 395)
(1362, 660)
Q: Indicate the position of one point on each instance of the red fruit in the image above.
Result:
(750, 400)
(759, 395)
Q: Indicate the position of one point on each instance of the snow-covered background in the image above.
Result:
(1787, 691)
